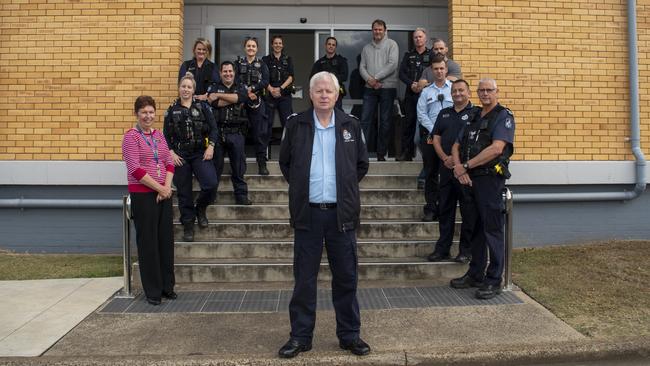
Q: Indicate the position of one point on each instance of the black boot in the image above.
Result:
(202, 218)
(188, 232)
(261, 166)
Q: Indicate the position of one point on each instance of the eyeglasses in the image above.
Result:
(486, 91)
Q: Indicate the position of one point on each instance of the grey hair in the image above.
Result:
(322, 75)
(420, 29)
(488, 80)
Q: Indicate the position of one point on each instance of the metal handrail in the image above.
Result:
(126, 292)
(507, 266)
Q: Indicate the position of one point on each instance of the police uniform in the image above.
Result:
(204, 76)
(410, 71)
(448, 125)
(232, 125)
(488, 182)
(256, 76)
(188, 131)
(279, 71)
(332, 220)
(337, 65)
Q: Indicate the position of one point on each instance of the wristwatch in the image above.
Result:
(466, 166)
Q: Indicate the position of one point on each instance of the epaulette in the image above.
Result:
(174, 103)
(353, 116)
(509, 111)
(291, 116)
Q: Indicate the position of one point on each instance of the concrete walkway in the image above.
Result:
(35, 314)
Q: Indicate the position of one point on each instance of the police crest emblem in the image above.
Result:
(464, 117)
(347, 136)
(508, 123)
(195, 112)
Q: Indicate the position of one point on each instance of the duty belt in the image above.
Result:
(231, 129)
(477, 172)
(323, 205)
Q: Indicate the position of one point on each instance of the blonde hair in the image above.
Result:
(188, 76)
(205, 43)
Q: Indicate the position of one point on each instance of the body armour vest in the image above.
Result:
(278, 69)
(190, 127)
(249, 73)
(416, 63)
(477, 136)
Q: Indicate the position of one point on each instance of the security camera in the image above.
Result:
(303, 20)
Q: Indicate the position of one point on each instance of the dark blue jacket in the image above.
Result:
(351, 158)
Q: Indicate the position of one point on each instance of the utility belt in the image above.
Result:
(189, 147)
(498, 170)
(241, 128)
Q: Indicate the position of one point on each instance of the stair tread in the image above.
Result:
(289, 261)
(280, 241)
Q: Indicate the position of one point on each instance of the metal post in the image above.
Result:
(126, 247)
(507, 200)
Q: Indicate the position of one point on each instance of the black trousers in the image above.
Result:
(234, 145)
(342, 256)
(283, 105)
(450, 196)
(205, 173)
(408, 130)
(488, 237)
(431, 163)
(155, 240)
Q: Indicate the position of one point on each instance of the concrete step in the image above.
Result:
(188, 271)
(281, 211)
(281, 196)
(280, 230)
(278, 182)
(376, 167)
(281, 249)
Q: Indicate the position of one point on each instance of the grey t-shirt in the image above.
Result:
(453, 69)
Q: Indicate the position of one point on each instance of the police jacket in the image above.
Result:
(279, 70)
(412, 65)
(337, 65)
(230, 114)
(207, 74)
(186, 129)
(254, 74)
(351, 159)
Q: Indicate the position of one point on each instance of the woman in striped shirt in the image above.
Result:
(149, 173)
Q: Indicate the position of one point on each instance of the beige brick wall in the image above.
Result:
(70, 71)
(561, 67)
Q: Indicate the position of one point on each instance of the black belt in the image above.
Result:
(323, 206)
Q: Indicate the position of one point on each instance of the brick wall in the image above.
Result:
(70, 71)
(561, 67)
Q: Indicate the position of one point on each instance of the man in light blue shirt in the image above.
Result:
(322, 173)
(432, 99)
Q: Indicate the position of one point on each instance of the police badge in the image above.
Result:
(195, 112)
(347, 136)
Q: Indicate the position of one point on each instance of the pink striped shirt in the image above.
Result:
(139, 159)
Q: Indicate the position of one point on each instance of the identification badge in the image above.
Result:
(158, 169)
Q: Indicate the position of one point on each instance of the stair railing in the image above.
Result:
(507, 205)
(126, 292)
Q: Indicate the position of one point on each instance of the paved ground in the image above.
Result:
(41, 312)
(36, 314)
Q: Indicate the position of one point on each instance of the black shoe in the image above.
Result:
(152, 301)
(462, 258)
(487, 292)
(405, 156)
(429, 216)
(437, 257)
(170, 295)
(420, 184)
(292, 348)
(261, 167)
(358, 347)
(201, 217)
(243, 201)
(465, 282)
(381, 158)
(188, 232)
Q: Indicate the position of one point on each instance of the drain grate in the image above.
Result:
(255, 301)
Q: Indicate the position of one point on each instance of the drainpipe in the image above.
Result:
(635, 134)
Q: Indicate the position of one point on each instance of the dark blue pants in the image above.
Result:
(488, 237)
(208, 181)
(259, 129)
(450, 195)
(282, 105)
(431, 163)
(408, 130)
(342, 255)
(233, 145)
(154, 236)
(385, 97)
